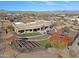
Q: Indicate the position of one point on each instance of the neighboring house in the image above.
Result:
(74, 45)
(64, 34)
(67, 31)
(41, 26)
(75, 19)
(63, 38)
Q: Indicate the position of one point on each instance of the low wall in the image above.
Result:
(37, 37)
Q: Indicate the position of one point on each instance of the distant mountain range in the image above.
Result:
(62, 12)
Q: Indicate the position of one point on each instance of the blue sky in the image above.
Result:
(39, 5)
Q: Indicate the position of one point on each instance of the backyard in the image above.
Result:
(29, 34)
(30, 44)
(44, 43)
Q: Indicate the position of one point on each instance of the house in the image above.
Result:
(74, 44)
(41, 26)
(63, 38)
(66, 35)
(75, 18)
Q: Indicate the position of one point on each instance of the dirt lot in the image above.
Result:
(37, 54)
(10, 53)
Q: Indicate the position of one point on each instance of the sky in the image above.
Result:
(39, 5)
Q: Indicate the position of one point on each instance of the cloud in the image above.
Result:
(57, 2)
(49, 2)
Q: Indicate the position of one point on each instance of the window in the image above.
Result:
(21, 31)
(34, 29)
(42, 28)
(30, 29)
(46, 27)
(51, 26)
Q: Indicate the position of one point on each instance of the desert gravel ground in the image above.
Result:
(11, 53)
(37, 54)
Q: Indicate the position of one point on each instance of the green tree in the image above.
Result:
(9, 28)
(48, 45)
(58, 44)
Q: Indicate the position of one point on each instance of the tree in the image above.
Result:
(59, 41)
(9, 28)
(67, 40)
(58, 44)
(56, 41)
(48, 45)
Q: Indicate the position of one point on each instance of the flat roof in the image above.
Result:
(31, 25)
